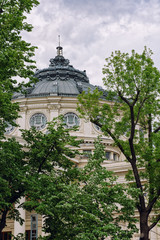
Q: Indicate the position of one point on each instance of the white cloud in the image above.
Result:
(91, 29)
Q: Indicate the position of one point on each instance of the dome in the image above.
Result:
(59, 79)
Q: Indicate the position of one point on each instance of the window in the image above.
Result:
(9, 128)
(114, 156)
(34, 227)
(108, 155)
(28, 234)
(71, 120)
(33, 233)
(87, 153)
(6, 235)
(38, 121)
(97, 128)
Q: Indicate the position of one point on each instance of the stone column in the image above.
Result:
(53, 111)
(111, 155)
(17, 227)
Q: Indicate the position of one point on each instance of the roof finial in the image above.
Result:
(59, 48)
(59, 37)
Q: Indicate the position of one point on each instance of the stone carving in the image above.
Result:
(59, 61)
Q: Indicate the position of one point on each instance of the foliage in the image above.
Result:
(23, 167)
(83, 207)
(15, 55)
(20, 236)
(130, 116)
(15, 61)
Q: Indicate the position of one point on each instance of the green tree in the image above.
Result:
(88, 205)
(24, 168)
(130, 115)
(15, 55)
(15, 61)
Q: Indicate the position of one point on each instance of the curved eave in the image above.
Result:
(63, 71)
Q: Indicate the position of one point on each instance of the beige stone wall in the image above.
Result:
(53, 106)
(28, 222)
(9, 226)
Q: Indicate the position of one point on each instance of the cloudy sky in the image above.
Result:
(91, 29)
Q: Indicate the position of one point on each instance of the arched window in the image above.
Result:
(71, 120)
(97, 127)
(38, 120)
(9, 128)
(108, 155)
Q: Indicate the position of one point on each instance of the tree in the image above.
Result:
(15, 61)
(130, 116)
(15, 55)
(80, 204)
(24, 168)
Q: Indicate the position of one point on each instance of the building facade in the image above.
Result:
(55, 94)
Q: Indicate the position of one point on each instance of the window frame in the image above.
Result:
(41, 125)
(109, 155)
(70, 125)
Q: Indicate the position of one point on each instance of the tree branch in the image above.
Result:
(151, 203)
(155, 222)
(45, 158)
(132, 126)
(140, 110)
(132, 121)
(139, 185)
(156, 130)
(123, 98)
(114, 138)
(136, 98)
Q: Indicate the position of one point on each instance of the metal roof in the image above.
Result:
(59, 79)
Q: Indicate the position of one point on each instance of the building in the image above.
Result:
(55, 94)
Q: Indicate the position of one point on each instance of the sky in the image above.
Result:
(90, 30)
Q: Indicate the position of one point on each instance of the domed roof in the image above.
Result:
(59, 79)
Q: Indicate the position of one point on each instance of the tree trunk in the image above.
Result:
(3, 222)
(144, 229)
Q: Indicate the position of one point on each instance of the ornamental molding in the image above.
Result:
(58, 61)
(23, 108)
(53, 106)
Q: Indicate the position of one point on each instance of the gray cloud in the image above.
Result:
(91, 29)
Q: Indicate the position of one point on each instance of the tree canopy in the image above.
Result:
(24, 167)
(130, 116)
(15, 61)
(15, 55)
(84, 203)
(83, 196)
